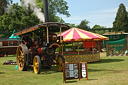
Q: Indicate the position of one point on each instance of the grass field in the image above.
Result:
(108, 71)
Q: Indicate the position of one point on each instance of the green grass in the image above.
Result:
(109, 71)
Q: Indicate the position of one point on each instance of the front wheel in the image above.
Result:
(60, 60)
(37, 65)
(21, 57)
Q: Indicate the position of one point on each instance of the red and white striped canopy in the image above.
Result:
(75, 34)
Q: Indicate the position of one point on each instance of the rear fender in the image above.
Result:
(54, 45)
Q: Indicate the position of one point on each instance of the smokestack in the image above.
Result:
(46, 11)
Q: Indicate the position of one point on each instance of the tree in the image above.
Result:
(101, 32)
(3, 5)
(72, 25)
(84, 25)
(55, 7)
(18, 18)
(121, 20)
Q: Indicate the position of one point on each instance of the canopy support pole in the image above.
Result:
(78, 47)
(33, 36)
(92, 50)
(99, 45)
(72, 45)
(78, 51)
(60, 35)
(85, 46)
(107, 49)
(62, 48)
(47, 35)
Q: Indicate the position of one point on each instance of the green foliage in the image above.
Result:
(55, 7)
(84, 25)
(17, 18)
(101, 32)
(121, 20)
(3, 5)
(71, 25)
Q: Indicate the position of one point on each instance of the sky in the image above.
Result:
(97, 12)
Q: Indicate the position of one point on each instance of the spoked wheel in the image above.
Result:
(60, 61)
(21, 57)
(37, 65)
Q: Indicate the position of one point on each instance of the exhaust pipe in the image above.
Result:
(46, 14)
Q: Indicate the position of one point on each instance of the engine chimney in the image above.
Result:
(46, 11)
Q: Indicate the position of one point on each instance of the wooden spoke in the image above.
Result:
(59, 63)
(20, 57)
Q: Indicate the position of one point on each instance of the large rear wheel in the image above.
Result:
(60, 60)
(37, 64)
(21, 57)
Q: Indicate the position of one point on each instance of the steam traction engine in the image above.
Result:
(38, 47)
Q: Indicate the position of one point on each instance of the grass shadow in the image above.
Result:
(70, 81)
(92, 79)
(107, 61)
(107, 70)
(93, 70)
(2, 72)
(53, 69)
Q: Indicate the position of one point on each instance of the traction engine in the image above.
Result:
(38, 47)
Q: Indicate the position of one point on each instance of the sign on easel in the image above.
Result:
(75, 71)
(84, 71)
(70, 71)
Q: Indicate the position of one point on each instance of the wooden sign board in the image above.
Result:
(75, 71)
(70, 71)
(83, 70)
